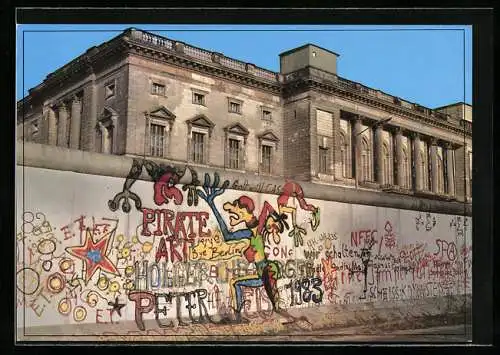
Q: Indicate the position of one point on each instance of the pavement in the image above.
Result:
(432, 320)
(450, 334)
(289, 333)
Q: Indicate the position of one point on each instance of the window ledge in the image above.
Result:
(369, 184)
(200, 165)
(397, 190)
(326, 177)
(260, 173)
(235, 170)
(346, 181)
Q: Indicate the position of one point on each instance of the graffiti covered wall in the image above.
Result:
(185, 249)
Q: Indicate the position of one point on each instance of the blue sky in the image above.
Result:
(429, 65)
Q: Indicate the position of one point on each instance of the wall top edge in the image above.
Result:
(56, 158)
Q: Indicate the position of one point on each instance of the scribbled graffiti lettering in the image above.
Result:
(190, 300)
(305, 290)
(446, 249)
(173, 225)
(206, 258)
(177, 249)
(363, 236)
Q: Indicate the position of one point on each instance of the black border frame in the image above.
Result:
(482, 21)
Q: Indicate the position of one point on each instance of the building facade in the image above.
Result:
(143, 95)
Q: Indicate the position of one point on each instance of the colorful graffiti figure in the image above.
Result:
(257, 230)
(165, 178)
(242, 211)
(293, 190)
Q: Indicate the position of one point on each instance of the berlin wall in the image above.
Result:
(166, 247)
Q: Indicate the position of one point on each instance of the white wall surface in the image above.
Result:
(416, 255)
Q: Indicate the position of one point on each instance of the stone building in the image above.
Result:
(143, 95)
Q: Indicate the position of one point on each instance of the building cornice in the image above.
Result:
(215, 64)
(314, 79)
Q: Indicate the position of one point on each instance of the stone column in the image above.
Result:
(52, 126)
(379, 154)
(449, 167)
(357, 149)
(399, 157)
(76, 109)
(434, 165)
(418, 161)
(62, 139)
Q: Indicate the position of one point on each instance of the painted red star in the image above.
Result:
(94, 255)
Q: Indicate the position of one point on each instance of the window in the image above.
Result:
(395, 166)
(234, 106)
(405, 169)
(109, 90)
(266, 115)
(439, 174)
(386, 161)
(98, 140)
(413, 168)
(68, 128)
(268, 145)
(200, 130)
(266, 158)
(157, 135)
(343, 156)
(429, 168)
(365, 161)
(34, 129)
(424, 170)
(198, 98)
(158, 89)
(198, 145)
(105, 132)
(234, 154)
(104, 139)
(446, 188)
(323, 160)
(470, 174)
(109, 139)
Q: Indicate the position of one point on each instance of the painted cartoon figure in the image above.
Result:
(242, 211)
(293, 190)
(269, 223)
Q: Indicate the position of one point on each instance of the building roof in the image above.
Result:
(84, 59)
(454, 104)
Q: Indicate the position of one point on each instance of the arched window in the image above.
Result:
(405, 169)
(386, 161)
(343, 155)
(365, 161)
